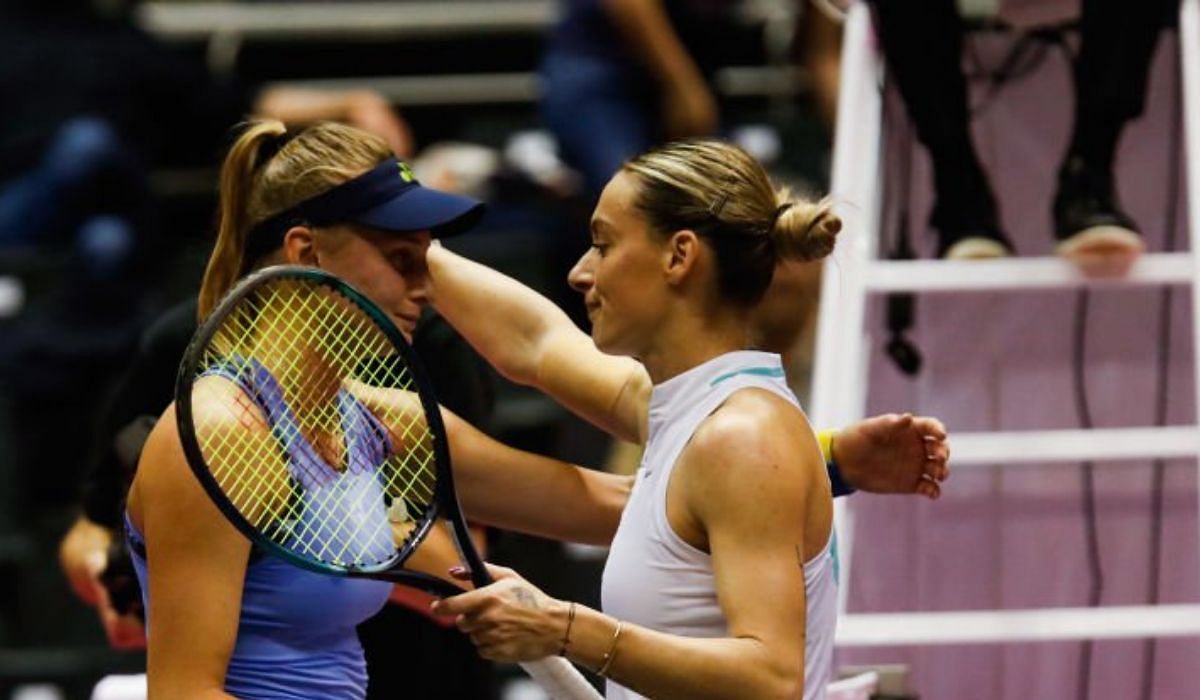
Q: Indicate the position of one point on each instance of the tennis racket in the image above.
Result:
(309, 421)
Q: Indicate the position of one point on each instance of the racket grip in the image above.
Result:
(560, 679)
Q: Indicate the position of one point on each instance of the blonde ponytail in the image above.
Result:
(258, 182)
(227, 262)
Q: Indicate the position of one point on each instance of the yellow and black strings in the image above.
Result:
(337, 384)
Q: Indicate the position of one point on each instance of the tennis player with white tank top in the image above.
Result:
(719, 581)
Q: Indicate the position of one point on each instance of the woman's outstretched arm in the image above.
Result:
(531, 341)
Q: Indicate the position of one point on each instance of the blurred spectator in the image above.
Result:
(619, 76)
(819, 49)
(92, 105)
(922, 43)
(93, 102)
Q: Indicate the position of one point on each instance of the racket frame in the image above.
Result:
(444, 503)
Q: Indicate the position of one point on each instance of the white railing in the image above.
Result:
(839, 392)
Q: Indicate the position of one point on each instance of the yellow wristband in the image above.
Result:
(825, 440)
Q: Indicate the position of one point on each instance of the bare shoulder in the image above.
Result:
(162, 471)
(162, 445)
(220, 409)
(756, 445)
(219, 404)
(754, 465)
(754, 422)
(165, 490)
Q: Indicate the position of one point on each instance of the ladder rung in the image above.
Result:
(998, 448)
(1038, 625)
(1016, 274)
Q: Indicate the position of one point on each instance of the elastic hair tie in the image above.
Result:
(778, 213)
(272, 146)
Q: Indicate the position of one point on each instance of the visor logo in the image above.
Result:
(406, 172)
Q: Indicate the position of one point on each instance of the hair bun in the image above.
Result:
(806, 230)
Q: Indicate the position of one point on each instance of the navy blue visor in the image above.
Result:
(386, 197)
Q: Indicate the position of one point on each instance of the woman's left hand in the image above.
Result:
(894, 454)
(510, 620)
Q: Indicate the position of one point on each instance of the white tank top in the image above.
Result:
(655, 579)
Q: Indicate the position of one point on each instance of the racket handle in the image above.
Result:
(560, 679)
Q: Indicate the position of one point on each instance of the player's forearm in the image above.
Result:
(667, 666)
(531, 341)
(564, 503)
(515, 490)
(505, 321)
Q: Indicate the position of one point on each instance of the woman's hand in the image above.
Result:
(83, 555)
(894, 454)
(510, 620)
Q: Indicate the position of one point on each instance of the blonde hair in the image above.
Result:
(264, 173)
(719, 191)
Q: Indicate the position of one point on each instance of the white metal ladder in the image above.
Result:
(839, 382)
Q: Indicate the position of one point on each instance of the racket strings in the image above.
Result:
(314, 431)
(230, 351)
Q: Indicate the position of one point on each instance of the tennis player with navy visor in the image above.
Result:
(225, 621)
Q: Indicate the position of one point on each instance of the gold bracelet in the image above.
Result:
(611, 653)
(567, 636)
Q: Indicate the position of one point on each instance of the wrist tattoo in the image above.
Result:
(526, 598)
